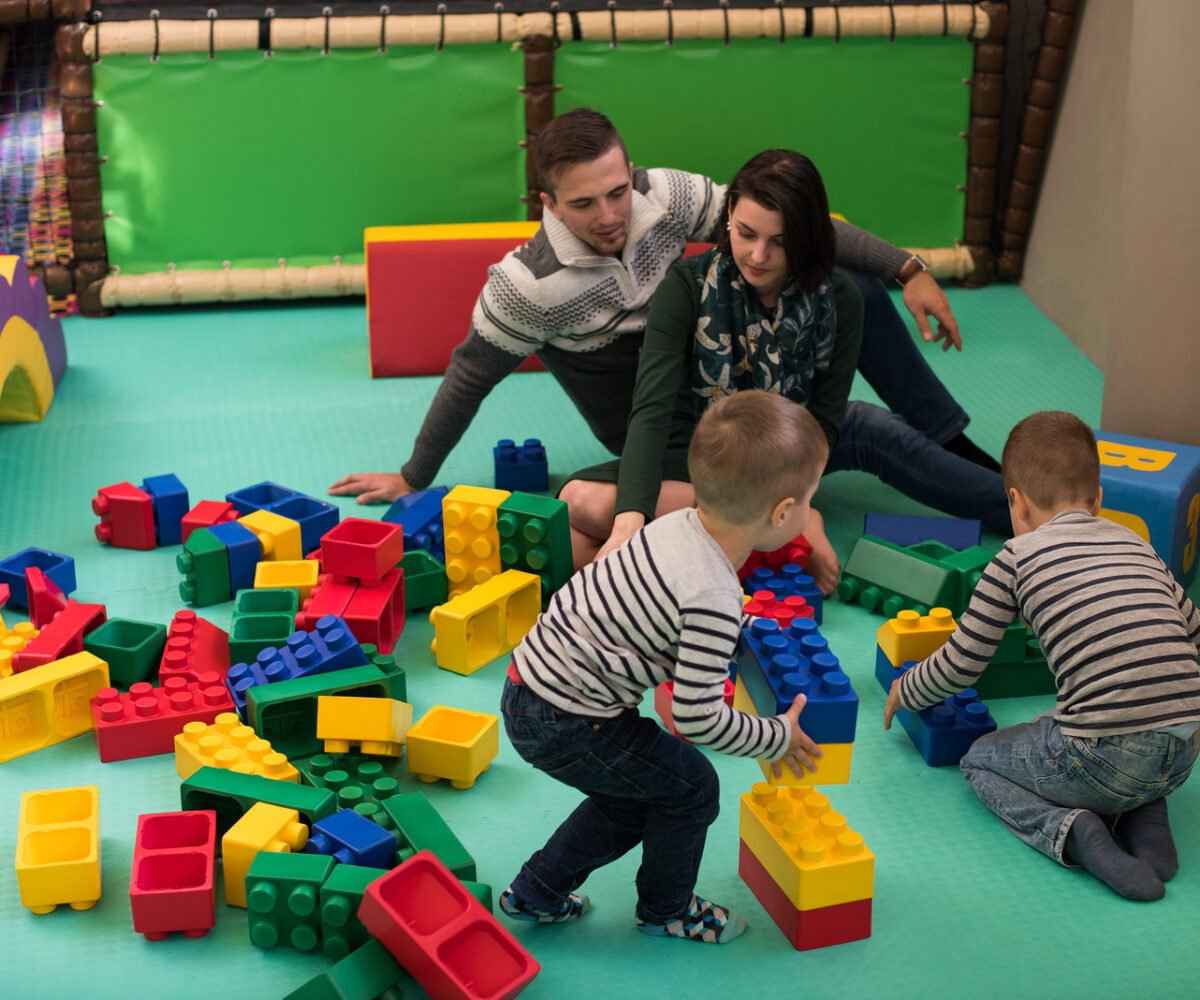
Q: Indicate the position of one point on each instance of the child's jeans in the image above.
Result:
(1038, 780)
(642, 785)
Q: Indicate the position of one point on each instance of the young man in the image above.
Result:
(577, 296)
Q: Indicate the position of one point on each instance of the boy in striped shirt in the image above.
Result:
(666, 605)
(1087, 783)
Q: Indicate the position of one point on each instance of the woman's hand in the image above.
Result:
(802, 752)
(372, 487)
(924, 298)
(625, 525)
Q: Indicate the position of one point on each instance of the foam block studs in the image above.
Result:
(282, 895)
(442, 935)
(227, 744)
(231, 795)
(194, 646)
(454, 744)
(359, 782)
(315, 518)
(279, 536)
(420, 515)
(299, 575)
(474, 628)
(12, 642)
(783, 611)
(50, 704)
(264, 827)
(126, 517)
(522, 467)
(204, 515)
(170, 501)
(1153, 489)
(341, 896)
(362, 550)
(904, 529)
(260, 496)
(44, 598)
(58, 848)
(145, 721)
(376, 725)
(204, 563)
(62, 636)
(131, 649)
(243, 550)
(424, 581)
(910, 636)
(351, 839)
(471, 540)
(785, 581)
(535, 537)
(796, 551)
(172, 886)
(944, 733)
(329, 597)
(60, 569)
(886, 579)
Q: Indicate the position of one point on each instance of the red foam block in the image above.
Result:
(376, 614)
(362, 550)
(146, 721)
(62, 637)
(126, 517)
(172, 885)
(195, 646)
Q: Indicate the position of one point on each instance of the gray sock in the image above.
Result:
(1145, 832)
(1091, 845)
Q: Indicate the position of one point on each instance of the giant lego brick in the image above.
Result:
(194, 646)
(62, 636)
(172, 886)
(362, 550)
(283, 896)
(126, 517)
(145, 721)
(420, 515)
(476, 626)
(472, 543)
(421, 828)
(59, 568)
(58, 848)
(227, 744)
(230, 795)
(521, 466)
(535, 537)
(170, 499)
(944, 732)
(49, 704)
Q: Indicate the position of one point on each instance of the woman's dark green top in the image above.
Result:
(670, 394)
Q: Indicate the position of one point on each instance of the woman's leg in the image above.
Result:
(590, 506)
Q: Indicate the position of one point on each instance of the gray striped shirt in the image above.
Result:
(667, 605)
(1118, 631)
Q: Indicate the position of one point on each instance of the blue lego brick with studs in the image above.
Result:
(789, 579)
(943, 732)
(420, 515)
(521, 467)
(352, 839)
(244, 551)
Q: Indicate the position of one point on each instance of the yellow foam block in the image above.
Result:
(12, 641)
(454, 744)
(26, 382)
(264, 827)
(231, 746)
(295, 574)
(58, 848)
(471, 540)
(378, 725)
(910, 636)
(451, 231)
(279, 536)
(487, 621)
(49, 704)
(808, 849)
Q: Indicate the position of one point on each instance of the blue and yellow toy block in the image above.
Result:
(59, 569)
(314, 516)
(204, 563)
(283, 896)
(521, 467)
(535, 537)
(905, 529)
(808, 849)
(264, 827)
(351, 839)
(785, 581)
(278, 536)
(1153, 489)
(49, 703)
(420, 515)
(472, 542)
(475, 627)
(454, 744)
(377, 726)
(58, 848)
(944, 732)
(243, 550)
(170, 499)
(910, 636)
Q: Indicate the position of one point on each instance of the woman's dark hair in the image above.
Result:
(578, 136)
(788, 183)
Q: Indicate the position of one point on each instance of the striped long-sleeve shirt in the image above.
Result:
(665, 606)
(1119, 634)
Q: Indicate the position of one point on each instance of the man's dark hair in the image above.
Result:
(788, 183)
(578, 136)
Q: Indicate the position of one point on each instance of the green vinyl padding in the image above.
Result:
(883, 121)
(250, 159)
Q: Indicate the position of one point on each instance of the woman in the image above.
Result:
(764, 309)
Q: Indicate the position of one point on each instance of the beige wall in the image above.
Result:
(1114, 256)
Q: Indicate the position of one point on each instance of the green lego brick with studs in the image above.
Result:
(368, 973)
(341, 930)
(353, 778)
(131, 649)
(285, 714)
(535, 537)
(204, 563)
(421, 827)
(283, 893)
(425, 584)
(231, 794)
(1018, 670)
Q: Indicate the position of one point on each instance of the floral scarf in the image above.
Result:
(738, 346)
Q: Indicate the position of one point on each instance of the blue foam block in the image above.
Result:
(901, 529)
(170, 499)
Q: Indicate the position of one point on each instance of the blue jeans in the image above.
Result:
(902, 445)
(643, 786)
(1037, 780)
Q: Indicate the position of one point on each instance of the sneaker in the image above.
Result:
(573, 907)
(703, 921)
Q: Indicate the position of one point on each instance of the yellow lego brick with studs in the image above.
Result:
(833, 766)
(377, 725)
(910, 636)
(472, 542)
(231, 746)
(454, 744)
(294, 574)
(808, 849)
(278, 536)
(474, 628)
(58, 848)
(12, 641)
(264, 827)
(49, 704)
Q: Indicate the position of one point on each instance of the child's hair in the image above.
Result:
(1051, 457)
(751, 450)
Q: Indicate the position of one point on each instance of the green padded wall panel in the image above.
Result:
(250, 159)
(883, 121)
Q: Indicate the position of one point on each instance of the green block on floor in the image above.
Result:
(888, 579)
(231, 794)
(204, 563)
(131, 649)
(250, 634)
(421, 828)
(341, 930)
(535, 537)
(353, 778)
(480, 891)
(1018, 670)
(282, 899)
(425, 584)
(285, 714)
(266, 601)
(366, 974)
